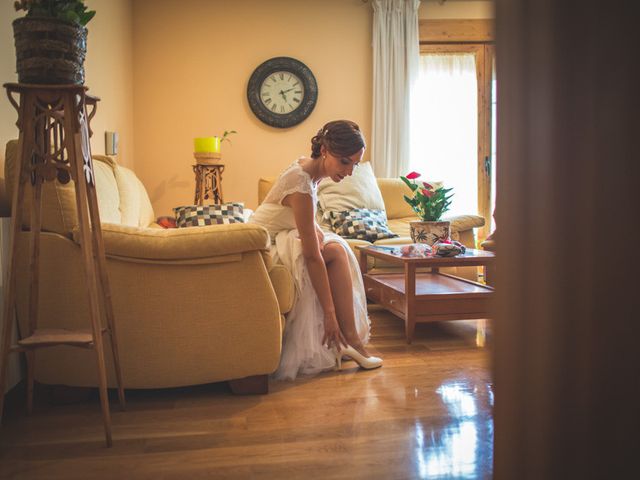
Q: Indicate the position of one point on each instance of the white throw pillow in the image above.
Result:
(360, 190)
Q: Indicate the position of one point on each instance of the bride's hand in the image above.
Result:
(333, 337)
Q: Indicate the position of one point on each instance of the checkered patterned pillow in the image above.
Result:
(361, 223)
(198, 215)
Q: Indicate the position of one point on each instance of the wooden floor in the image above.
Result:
(425, 414)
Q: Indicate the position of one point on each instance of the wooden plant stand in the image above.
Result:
(54, 145)
(208, 171)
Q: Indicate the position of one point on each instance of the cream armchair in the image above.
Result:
(192, 305)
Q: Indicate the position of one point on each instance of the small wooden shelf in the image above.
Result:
(57, 336)
(435, 284)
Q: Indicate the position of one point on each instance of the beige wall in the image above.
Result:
(108, 69)
(189, 62)
(109, 74)
(193, 60)
(434, 9)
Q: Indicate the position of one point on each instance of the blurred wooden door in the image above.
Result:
(566, 357)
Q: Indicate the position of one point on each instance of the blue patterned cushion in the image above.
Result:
(361, 223)
(199, 215)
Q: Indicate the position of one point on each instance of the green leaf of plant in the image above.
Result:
(86, 17)
(409, 184)
(71, 16)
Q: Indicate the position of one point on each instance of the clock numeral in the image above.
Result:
(267, 100)
(281, 108)
(289, 79)
(298, 91)
(273, 79)
(295, 84)
(265, 94)
(266, 85)
(282, 76)
(290, 106)
(273, 107)
(296, 100)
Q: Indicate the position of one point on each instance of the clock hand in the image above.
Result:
(287, 90)
(283, 95)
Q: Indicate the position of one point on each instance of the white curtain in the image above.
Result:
(395, 68)
(444, 124)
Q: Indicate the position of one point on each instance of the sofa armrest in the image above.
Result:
(181, 244)
(283, 285)
(460, 223)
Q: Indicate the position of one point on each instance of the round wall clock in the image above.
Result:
(282, 92)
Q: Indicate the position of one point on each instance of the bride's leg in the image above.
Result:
(342, 292)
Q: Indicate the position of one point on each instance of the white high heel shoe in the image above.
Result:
(367, 363)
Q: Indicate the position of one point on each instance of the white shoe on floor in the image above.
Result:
(367, 363)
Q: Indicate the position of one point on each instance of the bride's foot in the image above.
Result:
(359, 347)
(365, 361)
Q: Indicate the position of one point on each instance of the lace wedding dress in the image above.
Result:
(302, 349)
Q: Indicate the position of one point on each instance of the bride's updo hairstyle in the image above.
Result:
(341, 138)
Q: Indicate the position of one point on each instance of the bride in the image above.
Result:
(329, 318)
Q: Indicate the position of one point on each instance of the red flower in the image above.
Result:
(427, 193)
(413, 175)
(427, 186)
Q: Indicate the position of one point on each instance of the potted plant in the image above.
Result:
(51, 41)
(429, 203)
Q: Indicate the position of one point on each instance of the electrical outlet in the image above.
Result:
(111, 143)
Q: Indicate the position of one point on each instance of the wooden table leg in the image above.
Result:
(362, 260)
(410, 300)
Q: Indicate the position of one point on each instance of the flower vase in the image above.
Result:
(49, 51)
(430, 232)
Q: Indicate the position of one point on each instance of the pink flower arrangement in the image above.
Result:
(428, 202)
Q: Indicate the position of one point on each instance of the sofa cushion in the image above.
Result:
(360, 190)
(135, 206)
(58, 200)
(264, 187)
(200, 215)
(393, 191)
(106, 189)
(180, 244)
(361, 223)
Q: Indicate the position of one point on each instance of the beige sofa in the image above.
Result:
(192, 305)
(399, 215)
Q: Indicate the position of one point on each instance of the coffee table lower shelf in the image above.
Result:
(437, 297)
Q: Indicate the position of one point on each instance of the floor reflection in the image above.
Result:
(463, 448)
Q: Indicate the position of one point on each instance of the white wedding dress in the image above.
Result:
(302, 349)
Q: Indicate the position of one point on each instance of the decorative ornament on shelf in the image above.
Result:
(207, 149)
(51, 41)
(429, 203)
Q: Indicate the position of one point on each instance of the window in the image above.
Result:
(453, 115)
(445, 126)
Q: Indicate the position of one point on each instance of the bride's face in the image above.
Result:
(338, 167)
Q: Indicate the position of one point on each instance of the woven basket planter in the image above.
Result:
(49, 51)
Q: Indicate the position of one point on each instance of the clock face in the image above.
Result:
(282, 92)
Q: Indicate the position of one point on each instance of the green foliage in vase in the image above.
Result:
(74, 11)
(428, 202)
(225, 136)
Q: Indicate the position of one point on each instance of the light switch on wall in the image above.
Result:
(111, 143)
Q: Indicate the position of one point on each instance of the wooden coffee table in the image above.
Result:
(418, 297)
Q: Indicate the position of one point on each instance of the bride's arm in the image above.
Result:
(302, 206)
